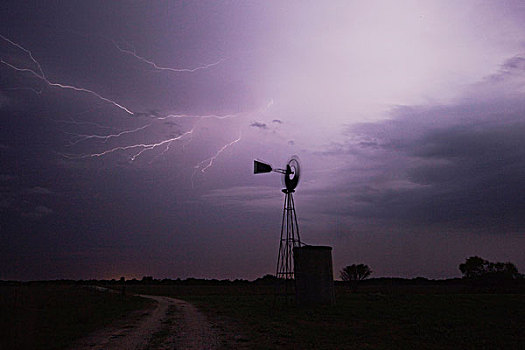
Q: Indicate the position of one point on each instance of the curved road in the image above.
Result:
(170, 324)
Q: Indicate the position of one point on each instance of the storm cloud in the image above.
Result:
(460, 165)
(408, 118)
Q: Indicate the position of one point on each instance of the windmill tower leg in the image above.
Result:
(290, 238)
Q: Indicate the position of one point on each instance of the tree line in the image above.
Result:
(475, 270)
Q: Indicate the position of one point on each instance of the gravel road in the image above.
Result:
(169, 324)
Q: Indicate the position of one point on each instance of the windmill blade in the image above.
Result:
(293, 171)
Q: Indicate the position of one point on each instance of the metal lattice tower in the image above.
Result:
(290, 238)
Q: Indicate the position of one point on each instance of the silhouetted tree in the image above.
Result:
(147, 280)
(266, 279)
(481, 271)
(355, 273)
(474, 267)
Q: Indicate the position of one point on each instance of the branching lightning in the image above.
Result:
(210, 160)
(134, 150)
(203, 165)
(80, 137)
(26, 51)
(41, 75)
(207, 163)
(143, 148)
(208, 116)
(133, 53)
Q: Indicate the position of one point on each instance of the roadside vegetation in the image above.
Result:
(354, 273)
(482, 310)
(384, 314)
(53, 315)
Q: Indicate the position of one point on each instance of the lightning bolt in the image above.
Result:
(214, 157)
(133, 53)
(202, 166)
(189, 116)
(41, 75)
(168, 145)
(26, 51)
(143, 148)
(133, 150)
(76, 122)
(80, 137)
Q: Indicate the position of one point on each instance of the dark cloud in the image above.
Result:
(259, 125)
(38, 190)
(277, 121)
(455, 167)
(38, 213)
(515, 63)
(468, 171)
(509, 80)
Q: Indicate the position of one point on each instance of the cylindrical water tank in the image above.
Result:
(314, 278)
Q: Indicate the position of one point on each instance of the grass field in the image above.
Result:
(46, 316)
(431, 318)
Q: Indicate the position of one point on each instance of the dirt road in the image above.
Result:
(170, 324)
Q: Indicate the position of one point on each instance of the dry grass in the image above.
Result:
(43, 316)
(437, 319)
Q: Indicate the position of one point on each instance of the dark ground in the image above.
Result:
(382, 314)
(52, 315)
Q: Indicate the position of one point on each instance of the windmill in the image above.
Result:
(290, 237)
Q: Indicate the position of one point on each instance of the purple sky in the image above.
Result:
(128, 131)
